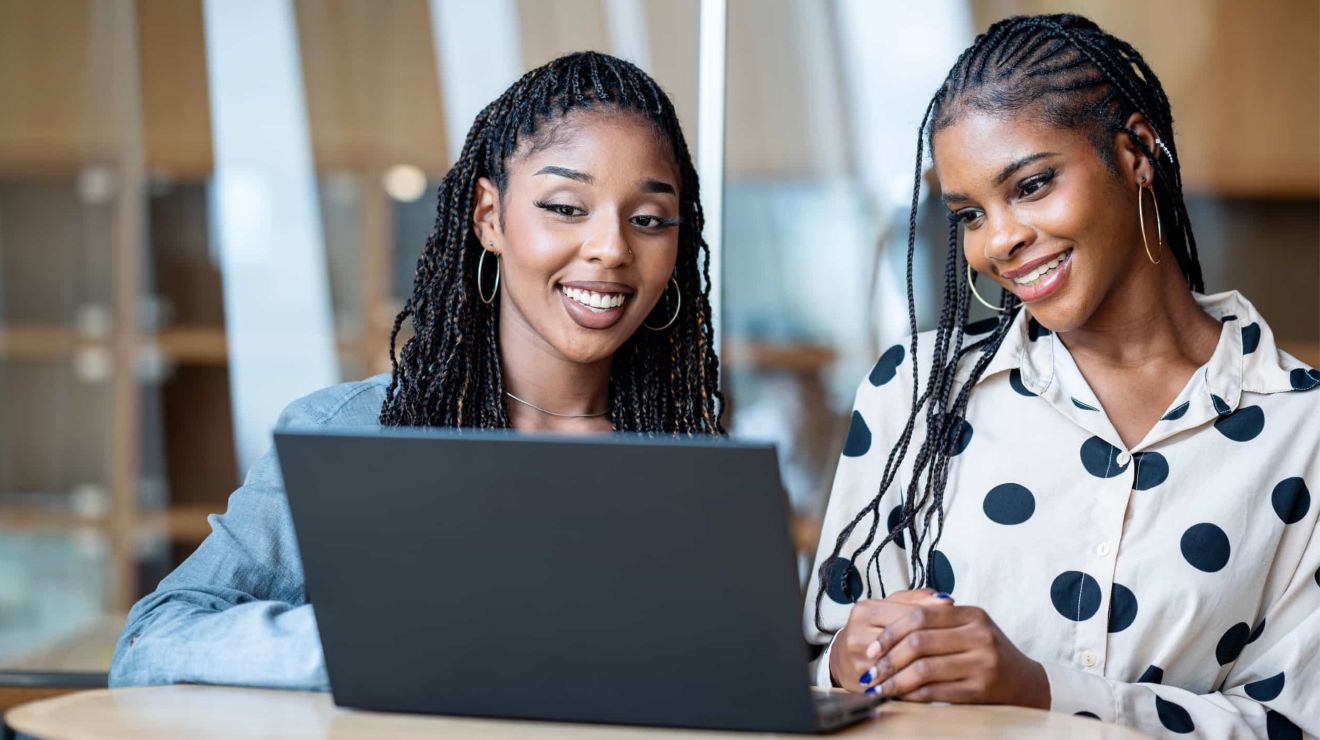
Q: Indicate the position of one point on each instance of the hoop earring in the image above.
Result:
(1159, 227)
(679, 292)
(972, 285)
(495, 290)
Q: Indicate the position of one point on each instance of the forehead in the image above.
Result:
(615, 142)
(979, 144)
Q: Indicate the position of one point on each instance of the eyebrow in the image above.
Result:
(658, 186)
(1018, 164)
(551, 169)
(1003, 175)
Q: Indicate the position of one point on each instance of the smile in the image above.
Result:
(1035, 275)
(601, 302)
(1038, 281)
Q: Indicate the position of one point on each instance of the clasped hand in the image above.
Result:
(921, 646)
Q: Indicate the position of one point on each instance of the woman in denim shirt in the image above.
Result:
(564, 288)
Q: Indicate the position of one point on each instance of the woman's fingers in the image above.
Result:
(861, 644)
(914, 646)
(896, 621)
(931, 669)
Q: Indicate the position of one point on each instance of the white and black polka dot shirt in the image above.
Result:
(1173, 587)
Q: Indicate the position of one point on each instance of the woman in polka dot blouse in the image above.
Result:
(1097, 503)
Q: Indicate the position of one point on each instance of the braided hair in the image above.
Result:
(1063, 70)
(448, 374)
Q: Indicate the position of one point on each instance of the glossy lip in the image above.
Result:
(1047, 285)
(594, 318)
(1027, 268)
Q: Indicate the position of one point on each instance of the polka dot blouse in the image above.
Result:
(1173, 587)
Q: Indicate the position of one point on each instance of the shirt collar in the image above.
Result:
(1245, 359)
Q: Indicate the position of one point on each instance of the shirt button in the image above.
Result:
(1089, 659)
(1102, 549)
(1124, 457)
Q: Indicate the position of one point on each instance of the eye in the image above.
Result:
(969, 217)
(653, 223)
(560, 209)
(1035, 183)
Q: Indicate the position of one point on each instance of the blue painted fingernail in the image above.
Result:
(942, 595)
(871, 690)
(865, 679)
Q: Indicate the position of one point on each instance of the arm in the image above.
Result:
(235, 611)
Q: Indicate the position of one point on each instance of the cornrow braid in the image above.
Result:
(1062, 69)
(448, 374)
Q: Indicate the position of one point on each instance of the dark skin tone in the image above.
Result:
(598, 207)
(1026, 191)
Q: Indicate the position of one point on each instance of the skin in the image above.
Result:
(1133, 328)
(599, 214)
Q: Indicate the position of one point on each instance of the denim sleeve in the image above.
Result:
(235, 612)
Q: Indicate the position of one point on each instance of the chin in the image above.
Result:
(1061, 315)
(589, 352)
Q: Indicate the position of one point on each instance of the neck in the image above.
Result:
(1150, 316)
(536, 373)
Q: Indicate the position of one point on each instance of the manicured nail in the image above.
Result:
(871, 690)
(865, 679)
(942, 595)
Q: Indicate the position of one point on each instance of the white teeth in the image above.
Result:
(1039, 272)
(593, 299)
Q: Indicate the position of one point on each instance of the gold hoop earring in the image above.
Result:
(1159, 227)
(495, 290)
(679, 307)
(972, 285)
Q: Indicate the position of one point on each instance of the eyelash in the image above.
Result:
(565, 211)
(1035, 183)
(1026, 189)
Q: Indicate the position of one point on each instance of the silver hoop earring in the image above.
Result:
(495, 290)
(679, 307)
(972, 285)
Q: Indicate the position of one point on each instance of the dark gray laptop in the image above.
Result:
(604, 579)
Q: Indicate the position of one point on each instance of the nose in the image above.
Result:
(1007, 236)
(607, 244)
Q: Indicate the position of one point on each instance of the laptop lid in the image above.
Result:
(605, 579)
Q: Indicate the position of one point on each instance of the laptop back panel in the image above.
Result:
(603, 580)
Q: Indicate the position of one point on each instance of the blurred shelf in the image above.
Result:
(791, 356)
(36, 342)
(183, 523)
(184, 345)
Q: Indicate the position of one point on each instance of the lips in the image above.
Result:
(593, 304)
(1040, 278)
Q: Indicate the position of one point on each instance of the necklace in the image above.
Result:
(551, 413)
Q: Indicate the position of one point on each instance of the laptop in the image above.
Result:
(612, 579)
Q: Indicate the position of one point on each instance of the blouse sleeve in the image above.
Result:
(880, 411)
(1272, 690)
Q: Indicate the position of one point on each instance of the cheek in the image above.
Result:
(533, 252)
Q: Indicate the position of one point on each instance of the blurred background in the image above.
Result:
(156, 313)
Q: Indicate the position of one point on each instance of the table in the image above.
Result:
(227, 712)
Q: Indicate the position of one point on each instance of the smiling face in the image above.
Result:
(587, 233)
(1044, 215)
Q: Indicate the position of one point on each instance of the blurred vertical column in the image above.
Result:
(265, 217)
(479, 53)
(121, 99)
(711, 80)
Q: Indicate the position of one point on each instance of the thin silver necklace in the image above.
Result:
(551, 413)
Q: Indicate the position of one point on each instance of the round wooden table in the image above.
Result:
(226, 712)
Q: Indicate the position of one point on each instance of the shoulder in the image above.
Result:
(349, 404)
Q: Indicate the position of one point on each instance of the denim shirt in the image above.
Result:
(236, 611)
